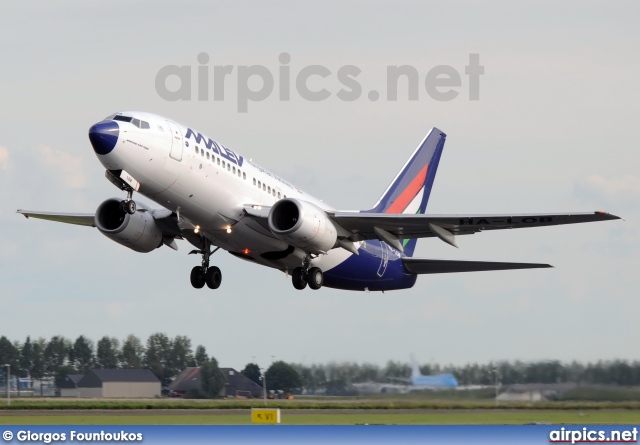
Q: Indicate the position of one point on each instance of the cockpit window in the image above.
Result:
(137, 122)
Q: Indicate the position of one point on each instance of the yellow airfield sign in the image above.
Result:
(265, 415)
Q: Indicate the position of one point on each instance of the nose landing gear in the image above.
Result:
(128, 205)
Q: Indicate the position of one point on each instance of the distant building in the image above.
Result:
(187, 380)
(119, 383)
(534, 392)
(69, 386)
(237, 384)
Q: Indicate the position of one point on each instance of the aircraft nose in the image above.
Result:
(104, 136)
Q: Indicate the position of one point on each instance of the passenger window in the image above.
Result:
(234, 170)
(273, 192)
(269, 190)
(207, 155)
(228, 166)
(145, 125)
(254, 181)
(284, 196)
(201, 152)
(218, 159)
(223, 164)
(259, 184)
(278, 195)
(244, 175)
(264, 187)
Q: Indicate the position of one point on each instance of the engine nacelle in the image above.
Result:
(138, 232)
(302, 225)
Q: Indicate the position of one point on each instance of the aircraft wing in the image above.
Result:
(80, 219)
(167, 220)
(428, 266)
(391, 227)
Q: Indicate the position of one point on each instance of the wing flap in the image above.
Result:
(428, 266)
(80, 219)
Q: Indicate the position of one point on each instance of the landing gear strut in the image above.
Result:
(313, 276)
(201, 275)
(128, 205)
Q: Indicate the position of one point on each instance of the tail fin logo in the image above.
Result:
(409, 192)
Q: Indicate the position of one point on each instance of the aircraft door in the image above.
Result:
(176, 141)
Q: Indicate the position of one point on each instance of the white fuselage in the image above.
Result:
(209, 185)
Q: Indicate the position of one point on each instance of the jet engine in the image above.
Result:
(302, 225)
(138, 232)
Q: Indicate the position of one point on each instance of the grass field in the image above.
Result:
(308, 403)
(321, 417)
(431, 408)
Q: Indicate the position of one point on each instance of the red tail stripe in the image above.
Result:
(409, 193)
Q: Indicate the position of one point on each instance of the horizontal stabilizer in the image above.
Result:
(426, 266)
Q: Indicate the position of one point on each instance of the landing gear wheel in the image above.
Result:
(128, 207)
(213, 277)
(315, 278)
(299, 279)
(197, 277)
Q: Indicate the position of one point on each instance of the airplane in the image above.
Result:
(417, 381)
(215, 198)
(439, 381)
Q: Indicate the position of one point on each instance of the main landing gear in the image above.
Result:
(201, 275)
(128, 205)
(313, 276)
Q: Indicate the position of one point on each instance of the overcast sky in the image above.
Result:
(555, 129)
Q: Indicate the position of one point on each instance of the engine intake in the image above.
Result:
(138, 232)
(303, 225)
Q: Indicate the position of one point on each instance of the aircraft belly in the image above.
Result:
(257, 241)
(376, 268)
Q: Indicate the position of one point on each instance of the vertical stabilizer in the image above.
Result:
(409, 191)
(415, 369)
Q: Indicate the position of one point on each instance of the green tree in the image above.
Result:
(26, 359)
(282, 376)
(39, 369)
(132, 353)
(157, 356)
(181, 354)
(56, 354)
(212, 378)
(201, 355)
(10, 355)
(252, 372)
(82, 354)
(107, 353)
